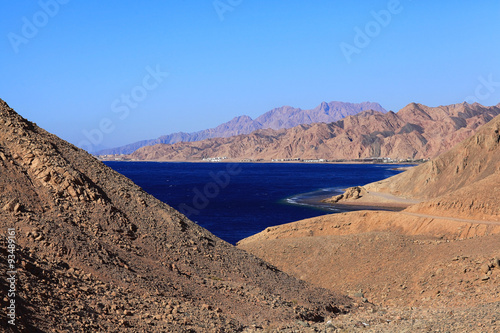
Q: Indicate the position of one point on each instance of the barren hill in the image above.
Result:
(94, 252)
(440, 256)
(278, 118)
(416, 131)
(463, 181)
(476, 158)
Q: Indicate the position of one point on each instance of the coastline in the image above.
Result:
(407, 164)
(371, 201)
(391, 207)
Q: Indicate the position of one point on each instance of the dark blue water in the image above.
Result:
(235, 201)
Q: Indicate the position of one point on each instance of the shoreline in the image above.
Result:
(395, 205)
(407, 164)
(353, 206)
(372, 199)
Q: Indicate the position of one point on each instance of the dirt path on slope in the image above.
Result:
(391, 198)
(386, 201)
(451, 218)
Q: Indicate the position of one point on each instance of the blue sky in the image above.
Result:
(106, 73)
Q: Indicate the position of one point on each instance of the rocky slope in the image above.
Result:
(421, 274)
(94, 252)
(439, 256)
(463, 181)
(415, 132)
(278, 118)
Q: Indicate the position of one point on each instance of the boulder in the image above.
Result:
(354, 193)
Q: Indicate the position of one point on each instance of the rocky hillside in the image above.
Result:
(94, 252)
(464, 180)
(278, 118)
(474, 159)
(436, 263)
(415, 132)
(424, 274)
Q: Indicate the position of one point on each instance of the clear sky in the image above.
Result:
(121, 71)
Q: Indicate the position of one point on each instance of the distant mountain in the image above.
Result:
(416, 131)
(278, 118)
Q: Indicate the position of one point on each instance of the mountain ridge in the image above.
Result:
(415, 132)
(463, 181)
(277, 118)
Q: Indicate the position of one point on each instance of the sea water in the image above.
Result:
(237, 200)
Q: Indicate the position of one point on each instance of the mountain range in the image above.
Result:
(415, 132)
(278, 118)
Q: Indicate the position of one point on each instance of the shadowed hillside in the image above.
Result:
(97, 253)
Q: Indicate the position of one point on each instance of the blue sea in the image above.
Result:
(235, 201)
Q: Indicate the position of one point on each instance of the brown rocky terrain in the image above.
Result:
(435, 265)
(415, 132)
(277, 118)
(465, 181)
(95, 253)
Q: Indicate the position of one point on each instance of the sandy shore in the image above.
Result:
(407, 164)
(375, 201)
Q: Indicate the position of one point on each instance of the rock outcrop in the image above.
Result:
(352, 193)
